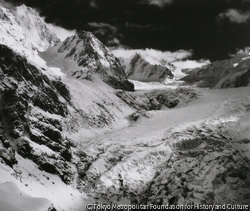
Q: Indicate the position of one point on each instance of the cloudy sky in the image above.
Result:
(211, 29)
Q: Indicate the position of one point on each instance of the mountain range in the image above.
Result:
(228, 73)
(75, 131)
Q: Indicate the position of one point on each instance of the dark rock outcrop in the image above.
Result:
(62, 89)
(30, 111)
(141, 70)
(7, 152)
(157, 99)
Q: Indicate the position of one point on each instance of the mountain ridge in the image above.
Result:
(137, 68)
(228, 73)
(24, 31)
(43, 115)
(73, 131)
(83, 55)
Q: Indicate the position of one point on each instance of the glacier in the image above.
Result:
(75, 129)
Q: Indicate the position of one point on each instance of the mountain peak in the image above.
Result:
(84, 56)
(137, 56)
(25, 8)
(91, 43)
(138, 68)
(85, 34)
(23, 30)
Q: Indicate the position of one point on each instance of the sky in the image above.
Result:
(211, 29)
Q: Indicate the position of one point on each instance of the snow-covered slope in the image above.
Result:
(9, 193)
(139, 69)
(83, 56)
(234, 72)
(42, 122)
(68, 138)
(152, 65)
(198, 154)
(44, 117)
(24, 31)
(32, 142)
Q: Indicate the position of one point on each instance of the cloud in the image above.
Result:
(190, 64)
(107, 33)
(8, 5)
(103, 27)
(243, 52)
(179, 59)
(60, 32)
(93, 4)
(235, 16)
(158, 3)
(154, 56)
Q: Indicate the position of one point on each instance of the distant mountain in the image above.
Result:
(137, 68)
(23, 30)
(86, 58)
(234, 72)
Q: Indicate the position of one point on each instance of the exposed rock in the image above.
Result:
(135, 116)
(30, 108)
(156, 100)
(23, 147)
(120, 84)
(7, 152)
(202, 167)
(141, 70)
(85, 56)
(62, 90)
(198, 162)
(42, 99)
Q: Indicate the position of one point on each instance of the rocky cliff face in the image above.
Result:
(157, 99)
(233, 72)
(43, 119)
(139, 69)
(37, 111)
(86, 57)
(32, 106)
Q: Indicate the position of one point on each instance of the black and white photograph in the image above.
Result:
(124, 105)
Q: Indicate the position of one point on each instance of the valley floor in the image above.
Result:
(127, 164)
(197, 153)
